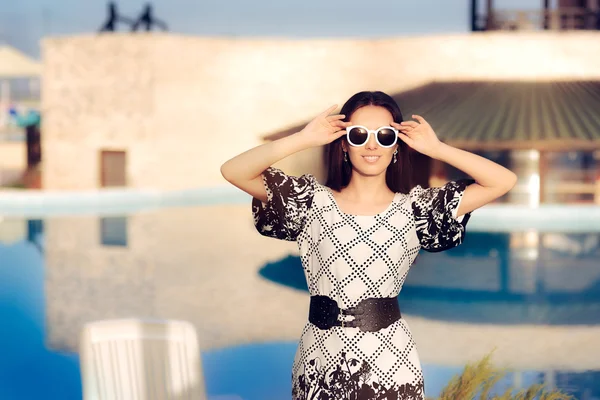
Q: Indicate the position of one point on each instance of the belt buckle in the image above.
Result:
(343, 324)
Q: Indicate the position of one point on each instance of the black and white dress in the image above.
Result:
(350, 258)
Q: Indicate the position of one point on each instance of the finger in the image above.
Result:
(339, 133)
(340, 124)
(412, 124)
(400, 127)
(420, 119)
(329, 110)
(405, 139)
(336, 117)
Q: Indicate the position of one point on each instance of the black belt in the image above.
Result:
(370, 315)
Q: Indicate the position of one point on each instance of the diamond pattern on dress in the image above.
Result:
(350, 258)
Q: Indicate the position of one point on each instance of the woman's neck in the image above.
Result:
(362, 189)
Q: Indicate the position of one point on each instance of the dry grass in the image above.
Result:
(477, 381)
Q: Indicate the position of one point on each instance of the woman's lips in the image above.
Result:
(371, 159)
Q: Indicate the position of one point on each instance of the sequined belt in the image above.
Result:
(370, 315)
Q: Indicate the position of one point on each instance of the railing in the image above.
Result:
(558, 19)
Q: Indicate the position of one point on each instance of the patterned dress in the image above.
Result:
(350, 258)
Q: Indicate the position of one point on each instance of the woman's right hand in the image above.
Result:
(324, 128)
(245, 170)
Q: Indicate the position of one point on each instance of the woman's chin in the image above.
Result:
(371, 169)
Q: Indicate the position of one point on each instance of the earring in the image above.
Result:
(395, 159)
(346, 156)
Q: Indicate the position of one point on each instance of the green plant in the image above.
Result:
(478, 379)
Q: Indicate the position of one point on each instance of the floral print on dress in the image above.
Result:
(349, 379)
(434, 210)
(288, 200)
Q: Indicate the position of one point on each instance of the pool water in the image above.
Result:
(486, 281)
(493, 279)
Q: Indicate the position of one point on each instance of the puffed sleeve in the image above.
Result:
(435, 210)
(289, 199)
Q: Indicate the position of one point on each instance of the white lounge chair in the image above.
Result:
(134, 359)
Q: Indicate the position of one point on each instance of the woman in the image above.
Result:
(358, 235)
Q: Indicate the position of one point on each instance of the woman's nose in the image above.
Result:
(371, 143)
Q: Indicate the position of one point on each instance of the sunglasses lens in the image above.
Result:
(386, 137)
(358, 136)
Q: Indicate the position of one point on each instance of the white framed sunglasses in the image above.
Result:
(358, 135)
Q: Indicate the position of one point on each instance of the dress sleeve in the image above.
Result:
(435, 210)
(289, 199)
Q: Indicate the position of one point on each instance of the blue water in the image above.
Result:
(261, 371)
(531, 301)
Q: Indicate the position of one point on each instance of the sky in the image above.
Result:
(24, 22)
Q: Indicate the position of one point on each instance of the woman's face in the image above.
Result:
(370, 159)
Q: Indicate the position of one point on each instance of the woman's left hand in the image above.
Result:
(419, 136)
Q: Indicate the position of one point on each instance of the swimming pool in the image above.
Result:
(532, 293)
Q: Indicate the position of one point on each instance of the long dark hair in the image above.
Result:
(398, 176)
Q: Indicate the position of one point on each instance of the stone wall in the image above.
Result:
(13, 161)
(181, 106)
(13, 155)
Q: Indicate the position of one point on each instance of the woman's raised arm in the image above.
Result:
(244, 170)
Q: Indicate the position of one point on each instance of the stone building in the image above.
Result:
(163, 111)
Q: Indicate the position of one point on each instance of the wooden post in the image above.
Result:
(489, 15)
(597, 180)
(543, 169)
(546, 14)
(474, 26)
